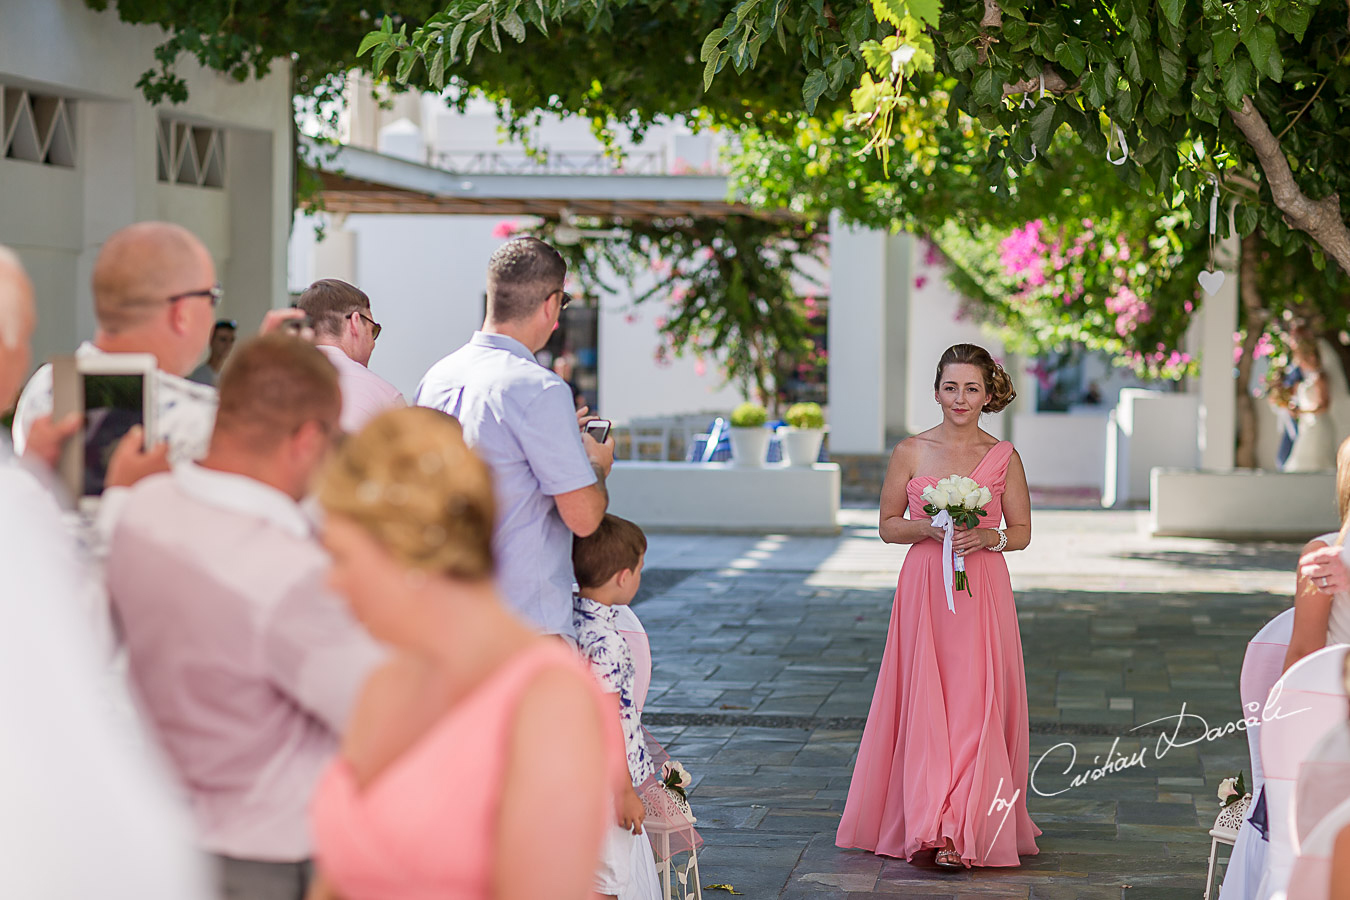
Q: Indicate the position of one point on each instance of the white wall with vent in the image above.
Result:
(82, 154)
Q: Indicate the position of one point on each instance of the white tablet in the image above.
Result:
(112, 392)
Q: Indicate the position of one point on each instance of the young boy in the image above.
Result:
(608, 567)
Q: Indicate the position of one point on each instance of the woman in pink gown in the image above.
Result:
(944, 756)
(479, 761)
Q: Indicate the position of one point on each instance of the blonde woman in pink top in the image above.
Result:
(477, 762)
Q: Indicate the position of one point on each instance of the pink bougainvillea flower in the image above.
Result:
(1129, 310)
(631, 318)
(932, 256)
(701, 367)
(1023, 253)
(920, 282)
(505, 228)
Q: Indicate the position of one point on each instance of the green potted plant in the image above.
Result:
(749, 437)
(802, 435)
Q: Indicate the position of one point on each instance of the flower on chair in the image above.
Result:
(677, 778)
(1231, 790)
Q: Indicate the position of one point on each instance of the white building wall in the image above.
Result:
(935, 323)
(56, 218)
(427, 277)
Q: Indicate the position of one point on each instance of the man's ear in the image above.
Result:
(310, 440)
(179, 318)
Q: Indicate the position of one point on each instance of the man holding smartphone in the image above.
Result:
(519, 417)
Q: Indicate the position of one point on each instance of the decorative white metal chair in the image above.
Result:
(1227, 824)
(1261, 667)
(670, 823)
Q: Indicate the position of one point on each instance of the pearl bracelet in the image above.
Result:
(1002, 541)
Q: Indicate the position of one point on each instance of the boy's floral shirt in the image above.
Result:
(611, 662)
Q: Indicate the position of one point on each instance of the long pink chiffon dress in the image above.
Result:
(945, 750)
(426, 827)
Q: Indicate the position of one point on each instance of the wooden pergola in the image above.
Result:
(344, 193)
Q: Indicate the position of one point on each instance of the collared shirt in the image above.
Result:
(186, 410)
(611, 663)
(83, 763)
(520, 419)
(244, 662)
(204, 374)
(364, 394)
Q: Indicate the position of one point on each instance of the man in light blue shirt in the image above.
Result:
(549, 477)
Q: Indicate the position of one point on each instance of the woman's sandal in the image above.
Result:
(948, 859)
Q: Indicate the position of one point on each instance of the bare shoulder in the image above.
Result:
(909, 454)
(559, 709)
(562, 689)
(914, 447)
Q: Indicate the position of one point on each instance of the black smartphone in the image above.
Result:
(598, 429)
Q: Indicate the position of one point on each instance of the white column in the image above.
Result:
(255, 244)
(900, 267)
(857, 339)
(1218, 399)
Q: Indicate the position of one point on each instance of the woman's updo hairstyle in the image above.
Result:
(409, 479)
(996, 381)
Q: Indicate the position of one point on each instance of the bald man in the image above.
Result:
(130, 839)
(155, 292)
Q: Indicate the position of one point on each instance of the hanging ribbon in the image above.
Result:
(1119, 135)
(1213, 206)
(943, 520)
(1028, 100)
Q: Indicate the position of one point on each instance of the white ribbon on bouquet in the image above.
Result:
(944, 521)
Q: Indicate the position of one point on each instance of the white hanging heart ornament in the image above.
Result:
(1211, 281)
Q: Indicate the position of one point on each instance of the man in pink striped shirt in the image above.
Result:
(245, 664)
(345, 332)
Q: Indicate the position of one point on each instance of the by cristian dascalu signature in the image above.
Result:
(1170, 739)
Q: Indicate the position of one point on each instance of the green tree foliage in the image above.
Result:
(1249, 90)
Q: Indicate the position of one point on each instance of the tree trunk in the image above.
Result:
(1256, 318)
(1319, 219)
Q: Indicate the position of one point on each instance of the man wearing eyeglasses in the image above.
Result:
(155, 292)
(549, 477)
(345, 331)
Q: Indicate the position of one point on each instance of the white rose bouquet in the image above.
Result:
(955, 500)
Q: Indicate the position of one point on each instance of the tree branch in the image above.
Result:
(1055, 83)
(1319, 219)
(993, 16)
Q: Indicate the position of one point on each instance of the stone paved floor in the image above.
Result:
(766, 652)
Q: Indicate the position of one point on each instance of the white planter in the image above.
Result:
(750, 446)
(801, 446)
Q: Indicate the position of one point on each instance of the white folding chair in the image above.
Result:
(1303, 705)
(1261, 667)
(661, 833)
(1310, 875)
(1323, 781)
